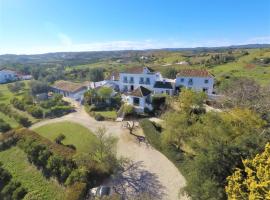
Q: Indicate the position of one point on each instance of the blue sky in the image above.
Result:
(39, 26)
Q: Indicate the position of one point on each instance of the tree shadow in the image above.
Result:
(133, 181)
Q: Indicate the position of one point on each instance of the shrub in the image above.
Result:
(24, 121)
(59, 139)
(99, 117)
(4, 126)
(59, 111)
(77, 191)
(17, 103)
(35, 111)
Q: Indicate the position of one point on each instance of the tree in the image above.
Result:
(105, 93)
(96, 74)
(170, 73)
(245, 92)
(190, 100)
(253, 181)
(37, 87)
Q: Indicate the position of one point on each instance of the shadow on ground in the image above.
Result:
(134, 182)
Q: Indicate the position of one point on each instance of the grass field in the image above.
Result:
(75, 134)
(15, 161)
(243, 67)
(107, 114)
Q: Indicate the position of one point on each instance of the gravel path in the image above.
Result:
(148, 170)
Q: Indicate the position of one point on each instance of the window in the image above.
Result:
(141, 80)
(205, 90)
(125, 88)
(190, 81)
(148, 81)
(168, 92)
(131, 80)
(125, 79)
(206, 81)
(182, 80)
(136, 101)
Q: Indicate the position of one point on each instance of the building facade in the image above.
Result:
(136, 77)
(195, 79)
(69, 89)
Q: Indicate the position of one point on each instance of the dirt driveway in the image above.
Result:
(149, 170)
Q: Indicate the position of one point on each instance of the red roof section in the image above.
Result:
(194, 73)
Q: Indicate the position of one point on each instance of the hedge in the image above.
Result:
(151, 133)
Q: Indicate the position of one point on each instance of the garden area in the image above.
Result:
(54, 167)
(24, 103)
(102, 103)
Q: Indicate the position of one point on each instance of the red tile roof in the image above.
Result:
(194, 73)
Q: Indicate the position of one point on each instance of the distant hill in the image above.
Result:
(79, 58)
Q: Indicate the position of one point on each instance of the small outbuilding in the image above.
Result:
(69, 89)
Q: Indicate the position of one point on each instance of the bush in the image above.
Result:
(59, 111)
(24, 121)
(151, 133)
(4, 126)
(99, 117)
(35, 111)
(77, 191)
(17, 103)
(59, 139)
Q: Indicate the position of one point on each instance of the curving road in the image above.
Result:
(149, 170)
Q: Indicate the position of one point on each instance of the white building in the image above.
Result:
(135, 77)
(69, 89)
(7, 76)
(140, 98)
(166, 86)
(196, 79)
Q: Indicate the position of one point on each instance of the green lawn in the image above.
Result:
(108, 114)
(15, 161)
(75, 134)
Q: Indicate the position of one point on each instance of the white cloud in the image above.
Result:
(67, 45)
(64, 39)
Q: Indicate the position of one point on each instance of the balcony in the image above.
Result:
(131, 81)
(125, 81)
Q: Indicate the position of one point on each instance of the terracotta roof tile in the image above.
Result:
(194, 73)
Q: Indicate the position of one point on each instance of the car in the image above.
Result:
(101, 191)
